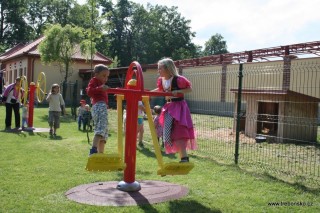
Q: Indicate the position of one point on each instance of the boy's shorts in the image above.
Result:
(100, 118)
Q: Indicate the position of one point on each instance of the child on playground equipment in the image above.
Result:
(175, 118)
(140, 130)
(97, 91)
(140, 126)
(81, 110)
(156, 121)
(56, 106)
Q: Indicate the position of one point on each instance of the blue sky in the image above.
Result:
(249, 24)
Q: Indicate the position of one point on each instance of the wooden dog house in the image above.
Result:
(284, 115)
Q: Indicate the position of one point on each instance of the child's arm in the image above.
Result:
(48, 97)
(142, 108)
(93, 88)
(63, 108)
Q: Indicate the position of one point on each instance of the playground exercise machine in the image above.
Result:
(39, 88)
(132, 93)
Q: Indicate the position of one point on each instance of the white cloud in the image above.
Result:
(249, 24)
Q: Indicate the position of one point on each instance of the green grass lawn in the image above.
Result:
(36, 171)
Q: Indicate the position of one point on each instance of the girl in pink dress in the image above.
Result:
(175, 118)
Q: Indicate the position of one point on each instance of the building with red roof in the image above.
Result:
(24, 59)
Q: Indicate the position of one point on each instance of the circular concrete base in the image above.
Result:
(34, 129)
(107, 194)
(27, 129)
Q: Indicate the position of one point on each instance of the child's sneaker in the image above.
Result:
(50, 132)
(141, 144)
(184, 160)
(93, 150)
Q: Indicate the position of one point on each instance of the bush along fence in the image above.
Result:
(263, 117)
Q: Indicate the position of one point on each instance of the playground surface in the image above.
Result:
(106, 193)
(28, 129)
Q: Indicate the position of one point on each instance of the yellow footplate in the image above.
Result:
(174, 168)
(104, 163)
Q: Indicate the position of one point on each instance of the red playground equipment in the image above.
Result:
(134, 92)
(39, 88)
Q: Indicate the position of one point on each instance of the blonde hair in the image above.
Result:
(169, 65)
(99, 68)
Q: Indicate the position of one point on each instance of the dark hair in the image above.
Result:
(157, 109)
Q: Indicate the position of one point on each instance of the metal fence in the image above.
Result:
(274, 130)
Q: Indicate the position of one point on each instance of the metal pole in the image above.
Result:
(32, 89)
(236, 155)
(91, 54)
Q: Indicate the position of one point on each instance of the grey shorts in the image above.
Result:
(54, 119)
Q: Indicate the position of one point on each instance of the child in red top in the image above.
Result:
(97, 91)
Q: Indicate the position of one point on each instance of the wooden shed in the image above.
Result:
(281, 115)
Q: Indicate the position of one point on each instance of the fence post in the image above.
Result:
(74, 100)
(236, 154)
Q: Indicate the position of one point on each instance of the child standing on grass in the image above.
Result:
(140, 130)
(24, 115)
(86, 117)
(156, 121)
(97, 91)
(12, 98)
(81, 110)
(55, 102)
(175, 118)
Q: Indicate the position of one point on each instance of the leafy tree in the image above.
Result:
(162, 32)
(13, 27)
(147, 34)
(42, 12)
(84, 15)
(174, 31)
(39, 15)
(103, 42)
(119, 34)
(60, 11)
(61, 44)
(215, 45)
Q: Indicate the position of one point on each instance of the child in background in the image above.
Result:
(97, 91)
(124, 120)
(86, 117)
(55, 102)
(140, 130)
(156, 121)
(81, 110)
(24, 115)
